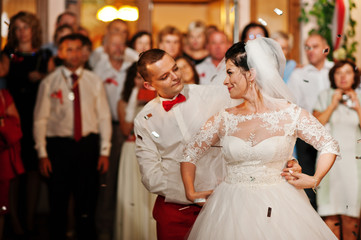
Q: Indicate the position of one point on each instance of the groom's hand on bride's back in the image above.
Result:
(291, 167)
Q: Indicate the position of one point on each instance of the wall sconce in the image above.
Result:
(109, 13)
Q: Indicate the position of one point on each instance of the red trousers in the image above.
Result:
(174, 221)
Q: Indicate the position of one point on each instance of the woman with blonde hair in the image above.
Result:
(195, 47)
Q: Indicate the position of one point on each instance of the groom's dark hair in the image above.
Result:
(146, 58)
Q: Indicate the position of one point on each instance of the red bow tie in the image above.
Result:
(167, 105)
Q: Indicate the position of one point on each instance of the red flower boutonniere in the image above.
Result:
(202, 75)
(58, 94)
(111, 81)
(15, 58)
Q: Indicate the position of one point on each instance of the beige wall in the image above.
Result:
(274, 21)
(180, 15)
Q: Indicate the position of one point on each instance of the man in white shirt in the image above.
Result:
(162, 129)
(306, 83)
(72, 130)
(217, 45)
(112, 71)
(116, 26)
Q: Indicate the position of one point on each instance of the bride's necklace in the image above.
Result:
(71, 95)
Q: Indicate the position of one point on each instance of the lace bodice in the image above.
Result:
(256, 147)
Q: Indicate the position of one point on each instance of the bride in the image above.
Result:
(257, 137)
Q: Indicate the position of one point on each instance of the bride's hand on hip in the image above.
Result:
(303, 181)
(291, 167)
(199, 198)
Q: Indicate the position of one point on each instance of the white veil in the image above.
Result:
(265, 56)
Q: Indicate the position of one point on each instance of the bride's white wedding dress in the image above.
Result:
(254, 201)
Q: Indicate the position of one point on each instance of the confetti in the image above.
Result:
(148, 116)
(269, 212)
(263, 22)
(325, 50)
(155, 134)
(339, 35)
(306, 80)
(279, 12)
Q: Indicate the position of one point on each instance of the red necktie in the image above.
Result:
(167, 105)
(77, 111)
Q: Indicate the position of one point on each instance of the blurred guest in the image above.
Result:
(83, 31)
(217, 46)
(26, 65)
(286, 42)
(134, 203)
(68, 18)
(10, 160)
(116, 26)
(252, 31)
(112, 71)
(170, 40)
(86, 51)
(60, 32)
(72, 130)
(141, 41)
(338, 107)
(195, 48)
(306, 84)
(209, 29)
(188, 71)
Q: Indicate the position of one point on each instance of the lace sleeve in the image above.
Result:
(203, 140)
(310, 130)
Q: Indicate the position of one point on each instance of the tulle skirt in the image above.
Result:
(134, 218)
(276, 211)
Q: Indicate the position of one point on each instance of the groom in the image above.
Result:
(163, 128)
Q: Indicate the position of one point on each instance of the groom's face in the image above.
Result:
(164, 77)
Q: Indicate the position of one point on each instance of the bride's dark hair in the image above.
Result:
(237, 54)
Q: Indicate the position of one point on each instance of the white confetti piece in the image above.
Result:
(263, 22)
(278, 11)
